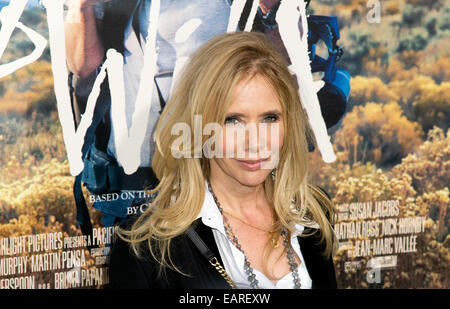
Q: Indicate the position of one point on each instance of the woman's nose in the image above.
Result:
(252, 142)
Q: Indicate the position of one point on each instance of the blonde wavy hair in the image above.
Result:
(205, 89)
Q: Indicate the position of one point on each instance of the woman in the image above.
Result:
(260, 223)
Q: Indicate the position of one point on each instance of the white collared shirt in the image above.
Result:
(233, 258)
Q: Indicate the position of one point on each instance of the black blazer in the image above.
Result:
(126, 271)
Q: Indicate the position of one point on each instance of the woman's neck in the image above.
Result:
(238, 198)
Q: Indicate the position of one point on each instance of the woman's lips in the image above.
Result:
(251, 165)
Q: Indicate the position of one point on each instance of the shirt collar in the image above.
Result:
(210, 213)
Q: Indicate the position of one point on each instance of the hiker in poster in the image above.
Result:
(179, 27)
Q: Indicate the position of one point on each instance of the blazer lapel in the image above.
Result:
(207, 236)
(320, 268)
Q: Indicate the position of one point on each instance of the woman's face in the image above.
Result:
(252, 134)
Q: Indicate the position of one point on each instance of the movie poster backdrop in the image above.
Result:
(385, 163)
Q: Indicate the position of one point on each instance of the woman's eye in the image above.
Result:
(231, 120)
(271, 118)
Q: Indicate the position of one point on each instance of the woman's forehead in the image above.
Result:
(253, 93)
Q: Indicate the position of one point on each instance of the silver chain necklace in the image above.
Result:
(293, 266)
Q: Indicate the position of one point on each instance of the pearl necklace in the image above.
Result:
(293, 266)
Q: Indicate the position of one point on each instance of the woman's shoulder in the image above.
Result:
(130, 267)
(135, 267)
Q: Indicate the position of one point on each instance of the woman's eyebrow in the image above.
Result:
(273, 112)
(235, 114)
(267, 113)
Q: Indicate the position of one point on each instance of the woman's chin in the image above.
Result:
(252, 179)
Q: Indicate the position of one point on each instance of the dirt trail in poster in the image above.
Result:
(389, 181)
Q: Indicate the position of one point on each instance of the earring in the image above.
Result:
(273, 174)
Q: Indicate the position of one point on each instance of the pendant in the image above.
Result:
(274, 241)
